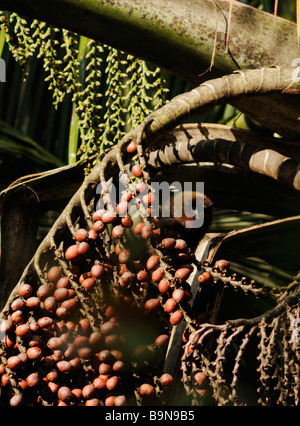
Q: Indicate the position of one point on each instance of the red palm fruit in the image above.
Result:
(97, 271)
(83, 248)
(204, 278)
(138, 228)
(109, 216)
(162, 340)
(166, 379)
(183, 273)
(97, 215)
(127, 222)
(169, 243)
(54, 274)
(152, 305)
(163, 285)
(131, 147)
(25, 290)
(143, 276)
(122, 207)
(146, 390)
(170, 305)
(157, 275)
(176, 317)
(118, 231)
(81, 235)
(99, 226)
(137, 170)
(178, 295)
(152, 262)
(72, 252)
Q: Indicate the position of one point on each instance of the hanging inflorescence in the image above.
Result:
(111, 91)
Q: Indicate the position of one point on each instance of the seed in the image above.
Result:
(18, 304)
(107, 327)
(63, 366)
(23, 330)
(88, 391)
(127, 222)
(95, 338)
(200, 378)
(124, 256)
(127, 278)
(13, 362)
(53, 387)
(61, 294)
(148, 199)
(45, 290)
(8, 341)
(170, 305)
(33, 302)
(45, 322)
(112, 383)
(138, 228)
(118, 366)
(34, 353)
(131, 147)
(25, 290)
(64, 394)
(33, 380)
(183, 273)
(166, 379)
(54, 274)
(157, 275)
(204, 278)
(81, 341)
(94, 402)
(50, 303)
(178, 295)
(61, 312)
(98, 226)
(6, 326)
(110, 401)
(53, 375)
(97, 271)
(69, 304)
(35, 341)
(97, 215)
(109, 216)
(180, 244)
(75, 362)
(120, 400)
(83, 248)
(99, 383)
(118, 231)
(55, 342)
(81, 235)
(146, 231)
(104, 355)
(72, 252)
(63, 282)
(92, 235)
(16, 400)
(137, 170)
(223, 264)
(143, 276)
(76, 394)
(85, 353)
(152, 262)
(163, 285)
(146, 390)
(89, 283)
(169, 243)
(176, 317)
(152, 305)
(17, 317)
(162, 340)
(122, 208)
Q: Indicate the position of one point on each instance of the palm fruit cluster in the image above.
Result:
(95, 327)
